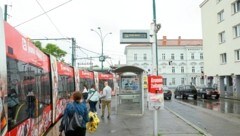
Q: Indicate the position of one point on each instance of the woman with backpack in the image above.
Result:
(78, 109)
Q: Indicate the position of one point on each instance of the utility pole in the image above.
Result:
(154, 47)
(156, 27)
(5, 12)
(73, 47)
(73, 52)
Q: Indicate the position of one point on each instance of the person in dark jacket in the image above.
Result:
(76, 106)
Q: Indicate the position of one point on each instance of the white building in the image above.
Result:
(221, 44)
(180, 61)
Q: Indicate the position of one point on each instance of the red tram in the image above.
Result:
(34, 86)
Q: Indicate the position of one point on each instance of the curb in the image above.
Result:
(189, 123)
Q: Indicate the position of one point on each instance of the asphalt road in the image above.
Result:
(213, 121)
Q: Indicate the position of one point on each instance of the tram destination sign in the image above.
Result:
(134, 37)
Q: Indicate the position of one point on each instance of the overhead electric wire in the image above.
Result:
(88, 50)
(49, 18)
(42, 13)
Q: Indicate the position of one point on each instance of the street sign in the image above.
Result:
(155, 84)
(155, 92)
(134, 36)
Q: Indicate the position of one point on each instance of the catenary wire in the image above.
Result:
(50, 19)
(43, 13)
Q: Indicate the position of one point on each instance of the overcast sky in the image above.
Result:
(75, 18)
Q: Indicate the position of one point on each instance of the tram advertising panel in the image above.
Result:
(54, 76)
(76, 79)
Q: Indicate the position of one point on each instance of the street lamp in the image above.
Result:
(102, 37)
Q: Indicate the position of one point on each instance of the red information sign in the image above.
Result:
(155, 84)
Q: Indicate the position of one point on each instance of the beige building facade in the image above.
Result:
(180, 61)
(221, 45)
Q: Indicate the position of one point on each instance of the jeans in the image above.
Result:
(93, 106)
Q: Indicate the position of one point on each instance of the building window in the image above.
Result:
(164, 81)
(173, 81)
(192, 56)
(193, 69)
(223, 58)
(220, 16)
(181, 56)
(173, 69)
(237, 55)
(182, 69)
(163, 56)
(221, 37)
(135, 56)
(201, 68)
(172, 56)
(144, 56)
(182, 81)
(236, 31)
(201, 56)
(236, 6)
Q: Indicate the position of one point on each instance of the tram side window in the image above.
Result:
(62, 87)
(17, 76)
(110, 83)
(101, 84)
(43, 85)
(70, 85)
(45, 89)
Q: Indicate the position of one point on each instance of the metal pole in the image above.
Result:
(73, 52)
(155, 67)
(5, 12)
(102, 41)
(102, 51)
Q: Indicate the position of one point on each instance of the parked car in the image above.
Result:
(167, 94)
(184, 91)
(208, 92)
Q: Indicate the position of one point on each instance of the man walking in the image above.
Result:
(106, 99)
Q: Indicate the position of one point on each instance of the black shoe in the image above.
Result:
(108, 117)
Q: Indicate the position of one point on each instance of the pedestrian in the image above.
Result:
(93, 98)
(80, 108)
(85, 92)
(106, 99)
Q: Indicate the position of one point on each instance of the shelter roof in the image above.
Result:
(129, 68)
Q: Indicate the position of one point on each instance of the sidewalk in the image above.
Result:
(169, 124)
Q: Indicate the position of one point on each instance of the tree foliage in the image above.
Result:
(52, 49)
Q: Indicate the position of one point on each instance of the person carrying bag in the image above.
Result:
(93, 98)
(75, 117)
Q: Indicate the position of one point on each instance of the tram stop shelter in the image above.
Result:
(130, 95)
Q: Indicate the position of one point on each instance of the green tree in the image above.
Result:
(38, 44)
(52, 49)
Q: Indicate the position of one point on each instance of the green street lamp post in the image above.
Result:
(102, 37)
